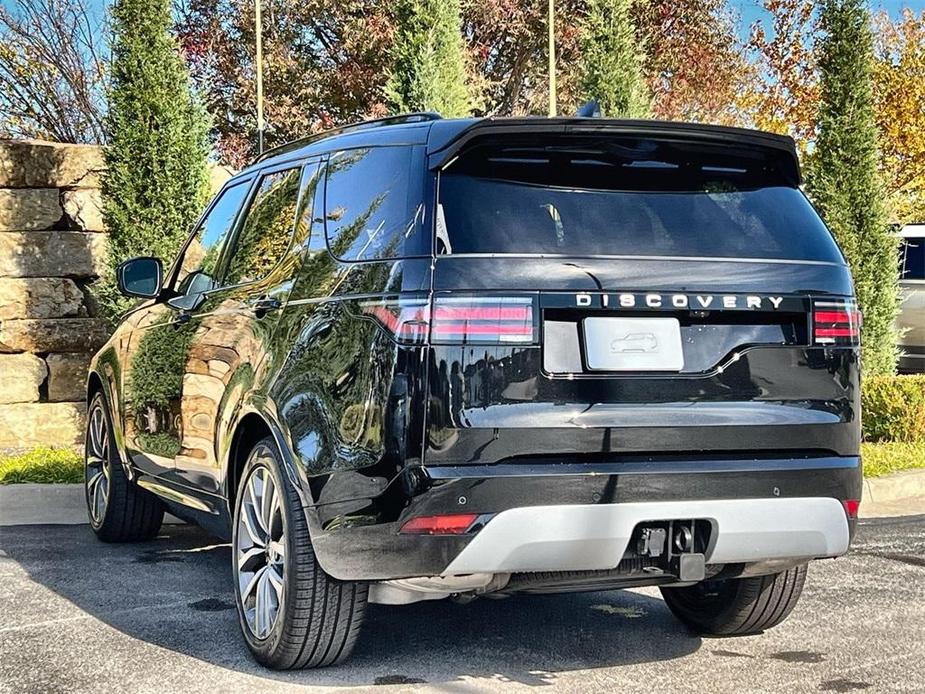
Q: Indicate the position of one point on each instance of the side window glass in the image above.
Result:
(267, 228)
(373, 202)
(200, 260)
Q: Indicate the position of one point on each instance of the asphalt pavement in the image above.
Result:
(80, 616)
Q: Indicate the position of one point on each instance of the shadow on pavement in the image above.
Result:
(175, 593)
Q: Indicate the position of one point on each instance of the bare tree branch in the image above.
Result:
(52, 71)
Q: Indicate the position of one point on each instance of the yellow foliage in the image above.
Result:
(899, 94)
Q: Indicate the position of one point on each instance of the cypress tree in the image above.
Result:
(428, 63)
(611, 60)
(844, 182)
(156, 178)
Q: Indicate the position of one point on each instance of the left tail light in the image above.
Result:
(457, 320)
(836, 323)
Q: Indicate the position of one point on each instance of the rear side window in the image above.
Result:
(640, 198)
(373, 204)
(267, 228)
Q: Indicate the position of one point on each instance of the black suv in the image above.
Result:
(421, 358)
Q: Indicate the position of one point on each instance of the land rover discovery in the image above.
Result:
(421, 358)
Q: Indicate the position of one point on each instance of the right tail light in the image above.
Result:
(836, 323)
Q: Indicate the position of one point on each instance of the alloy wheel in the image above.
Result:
(97, 472)
(260, 554)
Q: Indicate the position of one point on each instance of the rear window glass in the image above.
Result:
(373, 204)
(626, 199)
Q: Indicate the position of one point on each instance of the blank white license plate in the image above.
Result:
(633, 344)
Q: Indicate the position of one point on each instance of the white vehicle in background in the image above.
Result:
(911, 320)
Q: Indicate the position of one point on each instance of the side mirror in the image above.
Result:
(141, 277)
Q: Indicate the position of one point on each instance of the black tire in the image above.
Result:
(737, 606)
(128, 513)
(318, 618)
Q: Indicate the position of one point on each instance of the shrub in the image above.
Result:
(891, 456)
(844, 182)
(611, 60)
(156, 178)
(428, 59)
(48, 465)
(893, 408)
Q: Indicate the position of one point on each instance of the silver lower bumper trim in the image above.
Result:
(589, 537)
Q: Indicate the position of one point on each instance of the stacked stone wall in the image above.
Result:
(52, 246)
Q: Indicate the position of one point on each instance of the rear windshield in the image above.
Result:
(634, 198)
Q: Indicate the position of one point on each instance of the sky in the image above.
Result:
(750, 10)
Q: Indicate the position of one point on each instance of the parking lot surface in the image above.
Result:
(80, 616)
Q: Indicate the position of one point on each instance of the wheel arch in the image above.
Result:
(248, 430)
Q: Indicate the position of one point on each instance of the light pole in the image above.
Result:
(258, 21)
(552, 59)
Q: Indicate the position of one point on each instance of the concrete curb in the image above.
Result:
(899, 494)
(46, 504)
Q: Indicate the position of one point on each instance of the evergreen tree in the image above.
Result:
(156, 179)
(611, 60)
(428, 60)
(844, 182)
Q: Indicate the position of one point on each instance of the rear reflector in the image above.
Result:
(482, 320)
(836, 323)
(455, 524)
(851, 507)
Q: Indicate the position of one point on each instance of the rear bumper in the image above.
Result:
(595, 537)
(554, 517)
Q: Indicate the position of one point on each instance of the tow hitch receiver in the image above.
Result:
(676, 545)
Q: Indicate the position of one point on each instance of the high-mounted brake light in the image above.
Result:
(453, 524)
(482, 320)
(836, 323)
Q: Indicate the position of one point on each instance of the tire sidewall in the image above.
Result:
(264, 455)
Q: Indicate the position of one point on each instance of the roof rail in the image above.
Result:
(416, 117)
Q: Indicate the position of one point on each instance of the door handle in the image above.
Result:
(265, 304)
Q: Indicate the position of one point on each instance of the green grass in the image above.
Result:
(892, 456)
(55, 465)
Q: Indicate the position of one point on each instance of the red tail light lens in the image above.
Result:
(405, 319)
(836, 323)
(454, 524)
(481, 320)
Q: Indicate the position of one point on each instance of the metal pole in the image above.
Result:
(552, 59)
(258, 21)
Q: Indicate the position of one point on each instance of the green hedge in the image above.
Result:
(48, 465)
(891, 456)
(893, 408)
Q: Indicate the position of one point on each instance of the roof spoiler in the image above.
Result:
(443, 153)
